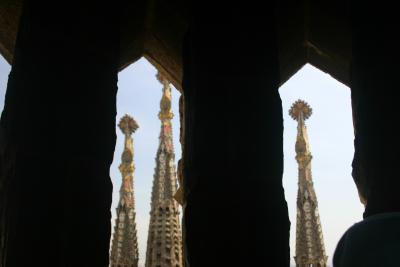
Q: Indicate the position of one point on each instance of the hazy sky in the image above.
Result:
(330, 133)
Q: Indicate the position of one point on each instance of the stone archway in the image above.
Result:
(83, 57)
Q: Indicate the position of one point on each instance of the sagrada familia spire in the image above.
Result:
(310, 249)
(164, 243)
(124, 252)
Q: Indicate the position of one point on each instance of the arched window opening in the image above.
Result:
(153, 102)
(330, 139)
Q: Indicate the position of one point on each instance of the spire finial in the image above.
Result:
(165, 103)
(300, 107)
(128, 125)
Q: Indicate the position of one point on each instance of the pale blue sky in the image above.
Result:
(330, 132)
(4, 71)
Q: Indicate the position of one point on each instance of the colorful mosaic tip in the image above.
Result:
(298, 107)
(128, 125)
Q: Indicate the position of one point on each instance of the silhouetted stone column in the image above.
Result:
(235, 213)
(58, 136)
(375, 85)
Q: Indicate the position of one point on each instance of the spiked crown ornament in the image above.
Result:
(300, 107)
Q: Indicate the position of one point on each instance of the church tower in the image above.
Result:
(164, 243)
(310, 248)
(124, 251)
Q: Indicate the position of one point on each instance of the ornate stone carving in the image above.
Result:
(128, 125)
(300, 108)
(310, 249)
(124, 251)
(165, 113)
(164, 243)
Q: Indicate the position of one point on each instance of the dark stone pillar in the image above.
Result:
(236, 213)
(375, 86)
(58, 136)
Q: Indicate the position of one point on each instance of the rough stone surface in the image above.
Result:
(308, 31)
(374, 87)
(235, 213)
(58, 136)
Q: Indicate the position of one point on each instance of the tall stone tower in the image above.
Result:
(124, 252)
(164, 243)
(310, 249)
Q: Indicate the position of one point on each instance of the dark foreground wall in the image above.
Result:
(57, 136)
(236, 214)
(375, 86)
(57, 133)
